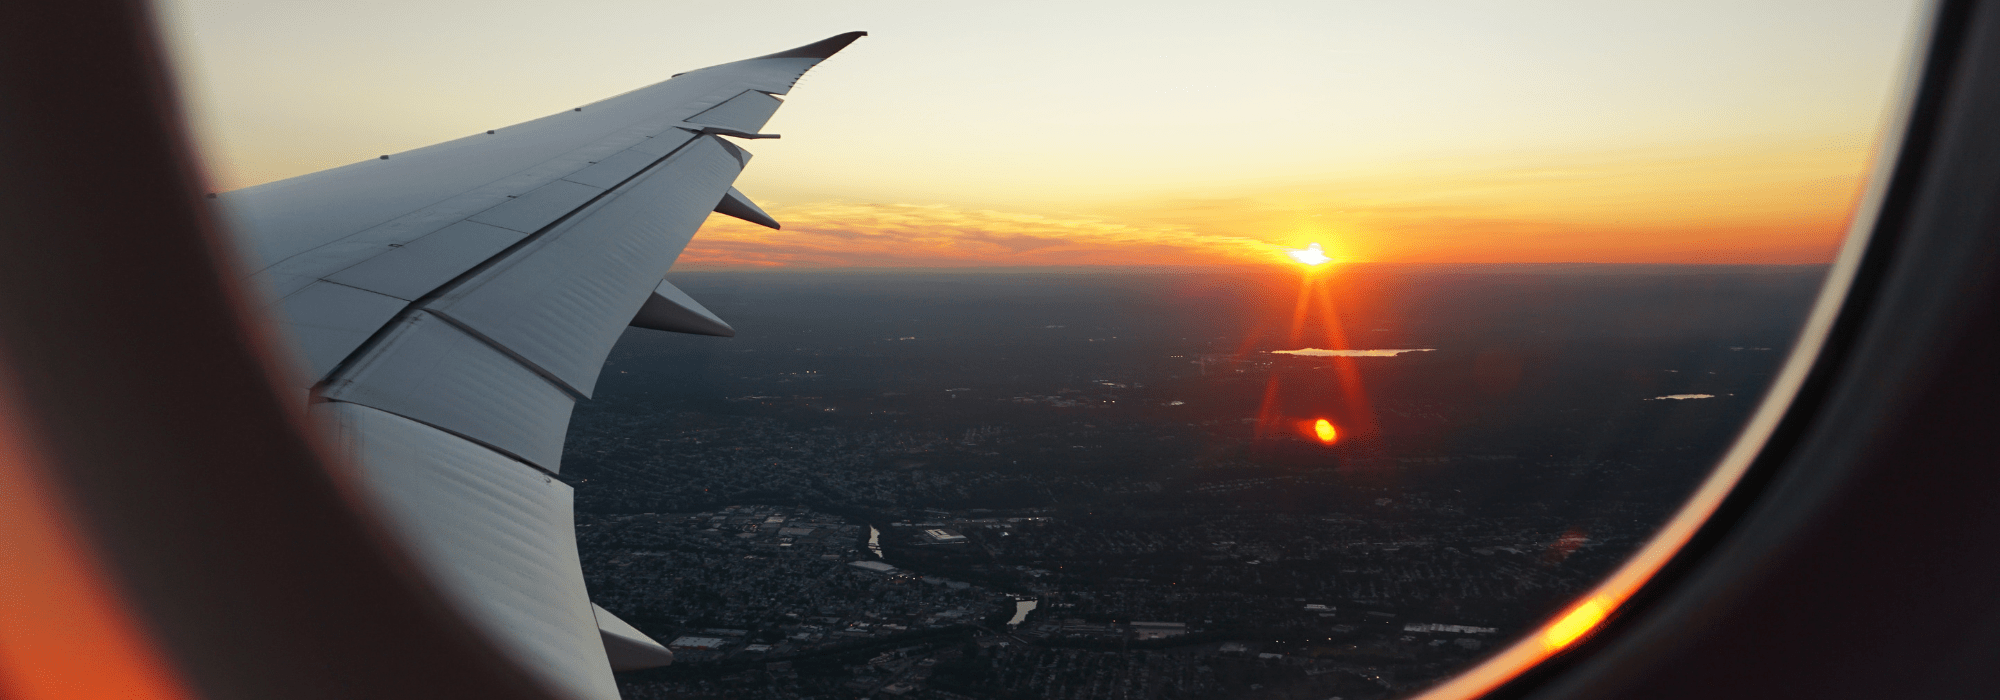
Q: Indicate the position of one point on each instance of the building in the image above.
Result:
(697, 643)
(938, 535)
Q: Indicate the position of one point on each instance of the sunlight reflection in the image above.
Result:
(1315, 309)
(1323, 429)
(1577, 623)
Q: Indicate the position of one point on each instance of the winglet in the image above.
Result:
(822, 48)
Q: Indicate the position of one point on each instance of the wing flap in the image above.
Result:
(497, 536)
(430, 371)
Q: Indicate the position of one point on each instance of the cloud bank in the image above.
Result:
(1317, 352)
(843, 234)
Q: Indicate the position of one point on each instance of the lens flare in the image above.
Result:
(1312, 256)
(1323, 429)
(1580, 621)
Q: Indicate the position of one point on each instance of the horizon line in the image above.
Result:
(1577, 267)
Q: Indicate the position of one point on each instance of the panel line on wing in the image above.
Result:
(539, 370)
(499, 541)
(563, 303)
(531, 238)
(430, 370)
(749, 110)
(478, 198)
(374, 340)
(462, 436)
(339, 283)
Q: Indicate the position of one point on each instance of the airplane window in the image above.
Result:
(1287, 350)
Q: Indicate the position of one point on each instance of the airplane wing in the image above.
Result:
(452, 303)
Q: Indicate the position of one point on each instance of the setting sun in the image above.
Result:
(1313, 255)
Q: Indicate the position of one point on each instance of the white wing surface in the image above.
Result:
(452, 303)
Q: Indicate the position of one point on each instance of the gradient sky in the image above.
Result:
(1137, 133)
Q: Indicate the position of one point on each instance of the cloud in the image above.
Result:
(848, 234)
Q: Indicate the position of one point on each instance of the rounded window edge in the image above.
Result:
(1548, 656)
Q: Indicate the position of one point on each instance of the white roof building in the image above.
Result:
(698, 642)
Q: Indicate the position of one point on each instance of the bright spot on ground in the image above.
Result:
(1312, 255)
(1323, 429)
(1578, 622)
(1682, 397)
(1316, 352)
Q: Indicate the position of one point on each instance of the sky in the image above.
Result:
(1137, 133)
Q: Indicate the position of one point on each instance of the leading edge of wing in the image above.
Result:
(819, 49)
(425, 216)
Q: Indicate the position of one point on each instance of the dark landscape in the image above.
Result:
(1061, 484)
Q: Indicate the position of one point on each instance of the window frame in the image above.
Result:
(1812, 569)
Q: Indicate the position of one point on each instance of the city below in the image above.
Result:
(1076, 486)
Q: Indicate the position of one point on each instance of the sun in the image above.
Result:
(1312, 256)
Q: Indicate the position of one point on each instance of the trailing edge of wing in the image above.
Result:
(494, 534)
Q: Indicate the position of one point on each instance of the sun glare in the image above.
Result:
(1323, 429)
(1312, 256)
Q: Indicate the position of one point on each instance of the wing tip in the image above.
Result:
(820, 49)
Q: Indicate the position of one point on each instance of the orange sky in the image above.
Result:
(1752, 204)
(1135, 132)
